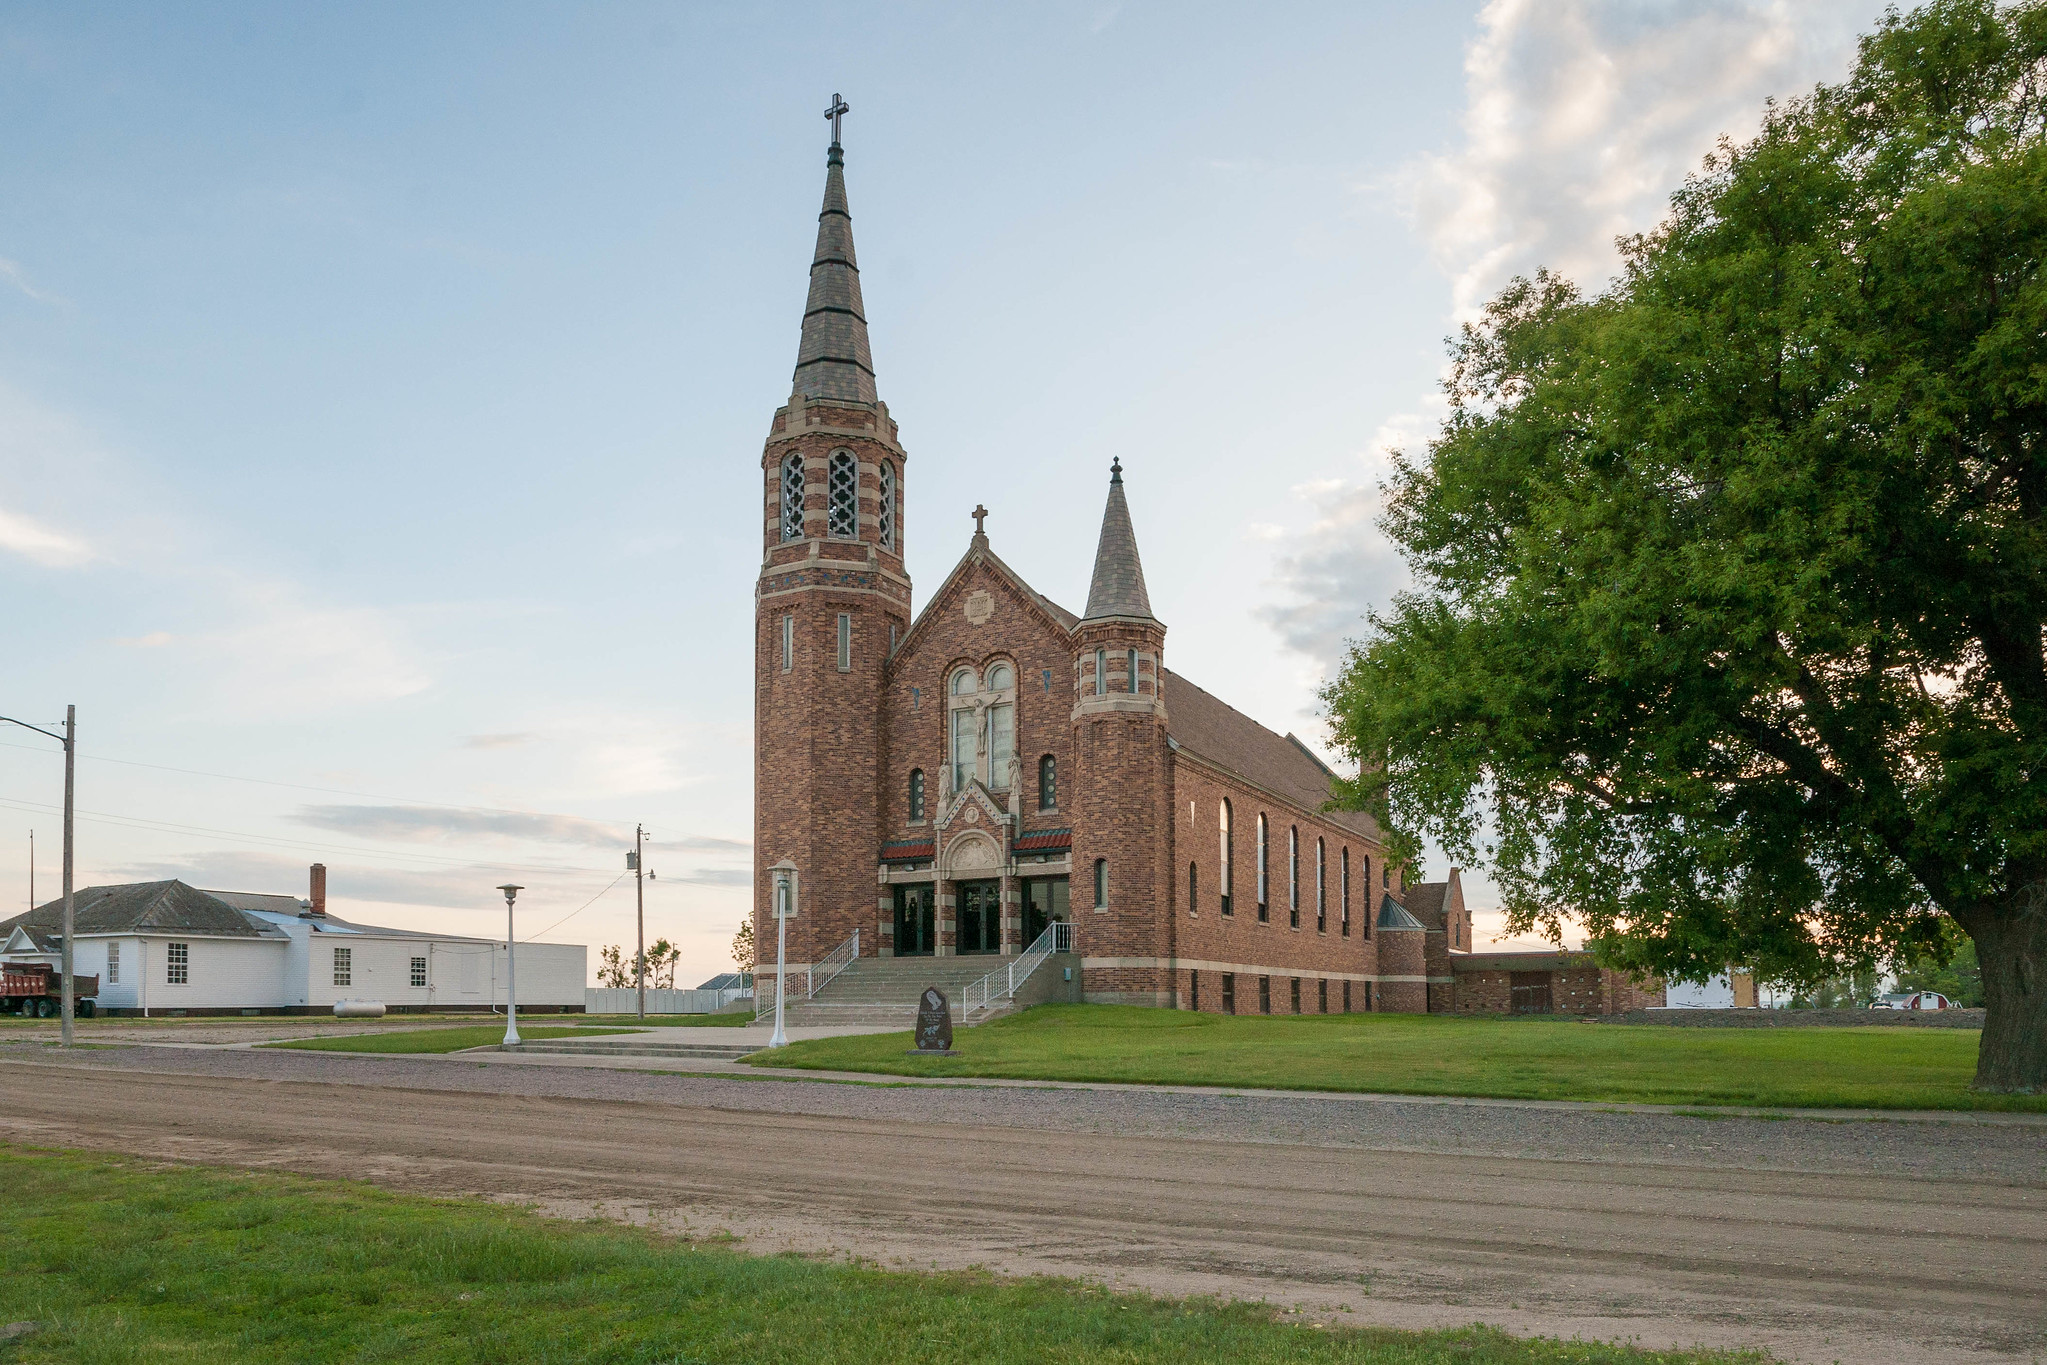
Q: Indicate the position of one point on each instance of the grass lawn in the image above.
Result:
(124, 1262)
(720, 1020)
(1419, 1054)
(435, 1039)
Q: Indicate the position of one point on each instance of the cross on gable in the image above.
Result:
(838, 111)
(980, 516)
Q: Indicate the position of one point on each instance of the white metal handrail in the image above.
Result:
(1001, 983)
(834, 962)
(815, 976)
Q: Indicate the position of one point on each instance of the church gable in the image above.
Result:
(984, 619)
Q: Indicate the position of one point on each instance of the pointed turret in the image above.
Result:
(1118, 586)
(833, 360)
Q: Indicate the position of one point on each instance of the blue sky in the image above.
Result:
(382, 386)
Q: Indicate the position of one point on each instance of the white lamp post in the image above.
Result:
(785, 910)
(511, 969)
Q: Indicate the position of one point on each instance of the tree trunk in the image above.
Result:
(2011, 946)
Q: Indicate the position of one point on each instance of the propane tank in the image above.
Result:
(358, 1009)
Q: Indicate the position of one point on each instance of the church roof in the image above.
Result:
(1216, 731)
(1118, 586)
(833, 360)
(1392, 915)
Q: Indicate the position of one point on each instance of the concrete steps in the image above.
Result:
(885, 990)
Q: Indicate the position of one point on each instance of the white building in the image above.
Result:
(168, 948)
(1730, 990)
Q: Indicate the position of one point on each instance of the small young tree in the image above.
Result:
(743, 947)
(612, 969)
(1730, 630)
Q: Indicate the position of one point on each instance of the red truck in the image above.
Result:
(34, 989)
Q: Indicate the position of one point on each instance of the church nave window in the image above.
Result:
(1343, 906)
(1322, 895)
(1227, 879)
(1001, 744)
(792, 497)
(1264, 865)
(1293, 886)
(842, 495)
(962, 747)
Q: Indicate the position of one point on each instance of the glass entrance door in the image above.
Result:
(1044, 901)
(980, 917)
(916, 927)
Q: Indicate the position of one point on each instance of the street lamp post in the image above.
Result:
(785, 910)
(69, 739)
(511, 968)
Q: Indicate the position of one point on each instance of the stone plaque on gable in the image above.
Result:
(934, 1024)
(980, 606)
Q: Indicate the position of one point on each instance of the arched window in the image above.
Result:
(842, 495)
(1193, 888)
(963, 682)
(888, 505)
(1133, 672)
(1264, 869)
(1293, 876)
(792, 497)
(1101, 672)
(1321, 887)
(1101, 883)
(1000, 678)
(1048, 783)
(1343, 918)
(916, 795)
(1226, 862)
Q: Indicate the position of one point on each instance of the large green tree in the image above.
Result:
(1726, 637)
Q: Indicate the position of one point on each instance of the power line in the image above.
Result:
(575, 912)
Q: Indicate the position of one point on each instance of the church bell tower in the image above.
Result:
(831, 602)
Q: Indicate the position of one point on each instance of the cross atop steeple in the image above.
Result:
(838, 111)
(980, 516)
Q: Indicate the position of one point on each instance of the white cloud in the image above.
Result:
(1581, 117)
(41, 544)
(12, 272)
(284, 656)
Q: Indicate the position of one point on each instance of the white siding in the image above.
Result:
(224, 973)
(460, 973)
(1715, 994)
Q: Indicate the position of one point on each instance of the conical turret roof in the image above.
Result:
(1118, 586)
(833, 361)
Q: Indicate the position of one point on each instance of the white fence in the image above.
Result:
(625, 1000)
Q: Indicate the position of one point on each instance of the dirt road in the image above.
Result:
(1816, 1264)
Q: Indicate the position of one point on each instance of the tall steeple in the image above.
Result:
(833, 360)
(1118, 586)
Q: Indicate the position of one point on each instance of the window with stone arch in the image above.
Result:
(1321, 886)
(1227, 879)
(1264, 869)
(1343, 904)
(982, 725)
(1048, 783)
(1293, 876)
(842, 495)
(916, 796)
(792, 497)
(887, 521)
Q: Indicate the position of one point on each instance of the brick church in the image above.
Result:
(950, 782)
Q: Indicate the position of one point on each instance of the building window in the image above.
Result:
(962, 747)
(1101, 883)
(1001, 744)
(344, 966)
(1133, 672)
(1322, 994)
(845, 642)
(1264, 852)
(1229, 992)
(1194, 991)
(916, 795)
(842, 495)
(1343, 906)
(1193, 888)
(888, 505)
(1321, 889)
(792, 497)
(1293, 878)
(964, 682)
(1265, 995)
(1296, 994)
(1048, 783)
(177, 964)
(1227, 868)
(419, 971)
(1101, 672)
(113, 964)
(1346, 997)
(788, 643)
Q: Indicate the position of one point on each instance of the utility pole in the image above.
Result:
(31, 869)
(69, 739)
(640, 897)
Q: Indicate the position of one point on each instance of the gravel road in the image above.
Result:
(1823, 1241)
